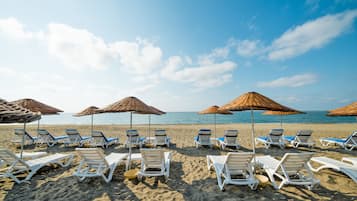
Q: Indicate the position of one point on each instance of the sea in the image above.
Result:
(193, 118)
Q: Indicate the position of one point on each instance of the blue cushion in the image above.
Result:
(142, 139)
(336, 139)
(111, 139)
(220, 139)
(265, 138)
(61, 137)
(196, 138)
(289, 138)
(85, 137)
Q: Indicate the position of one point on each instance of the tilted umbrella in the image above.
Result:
(254, 101)
(12, 113)
(154, 111)
(91, 110)
(36, 106)
(129, 104)
(348, 110)
(282, 114)
(215, 110)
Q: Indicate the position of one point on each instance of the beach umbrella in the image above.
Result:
(281, 114)
(129, 104)
(12, 113)
(215, 110)
(91, 110)
(254, 101)
(36, 106)
(348, 110)
(154, 111)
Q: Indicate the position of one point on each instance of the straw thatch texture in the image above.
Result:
(129, 104)
(154, 111)
(36, 106)
(89, 111)
(215, 110)
(282, 113)
(254, 101)
(12, 113)
(348, 110)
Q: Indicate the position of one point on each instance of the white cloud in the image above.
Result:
(201, 76)
(217, 53)
(293, 81)
(12, 28)
(248, 48)
(311, 35)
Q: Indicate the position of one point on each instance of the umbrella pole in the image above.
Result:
(131, 120)
(129, 159)
(149, 124)
(253, 134)
(23, 141)
(38, 125)
(215, 127)
(91, 125)
(281, 121)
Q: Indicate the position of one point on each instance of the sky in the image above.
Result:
(179, 55)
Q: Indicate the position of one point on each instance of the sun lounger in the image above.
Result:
(302, 137)
(229, 139)
(28, 140)
(275, 137)
(154, 163)
(235, 168)
(99, 139)
(133, 139)
(27, 156)
(95, 164)
(292, 169)
(161, 138)
(16, 165)
(74, 137)
(203, 138)
(348, 143)
(47, 138)
(325, 162)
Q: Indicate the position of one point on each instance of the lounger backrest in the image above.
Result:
(45, 135)
(12, 160)
(238, 163)
(204, 136)
(93, 157)
(20, 131)
(133, 136)
(160, 136)
(73, 135)
(230, 136)
(292, 163)
(98, 137)
(276, 135)
(352, 139)
(153, 158)
(304, 135)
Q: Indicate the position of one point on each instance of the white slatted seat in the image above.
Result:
(154, 163)
(348, 143)
(74, 137)
(99, 139)
(95, 164)
(275, 137)
(229, 139)
(203, 138)
(47, 138)
(15, 165)
(302, 137)
(234, 168)
(134, 139)
(292, 169)
(161, 138)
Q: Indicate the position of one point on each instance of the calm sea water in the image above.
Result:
(194, 118)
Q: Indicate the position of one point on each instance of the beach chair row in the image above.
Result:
(233, 168)
(73, 137)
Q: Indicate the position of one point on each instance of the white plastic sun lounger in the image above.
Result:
(47, 138)
(99, 139)
(27, 156)
(74, 137)
(15, 165)
(154, 163)
(302, 137)
(203, 138)
(229, 139)
(19, 132)
(290, 169)
(95, 164)
(133, 138)
(275, 137)
(161, 138)
(349, 143)
(346, 168)
(235, 168)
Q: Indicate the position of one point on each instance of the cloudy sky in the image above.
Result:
(179, 55)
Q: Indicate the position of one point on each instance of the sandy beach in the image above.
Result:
(189, 177)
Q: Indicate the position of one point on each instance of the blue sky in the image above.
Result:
(179, 55)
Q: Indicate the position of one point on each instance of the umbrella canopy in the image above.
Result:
(215, 110)
(91, 110)
(12, 113)
(254, 101)
(36, 106)
(348, 110)
(282, 114)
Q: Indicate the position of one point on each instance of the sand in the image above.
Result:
(189, 177)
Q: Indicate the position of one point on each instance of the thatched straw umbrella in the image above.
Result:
(282, 114)
(12, 113)
(155, 111)
(129, 104)
(36, 106)
(254, 101)
(348, 110)
(91, 110)
(215, 110)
